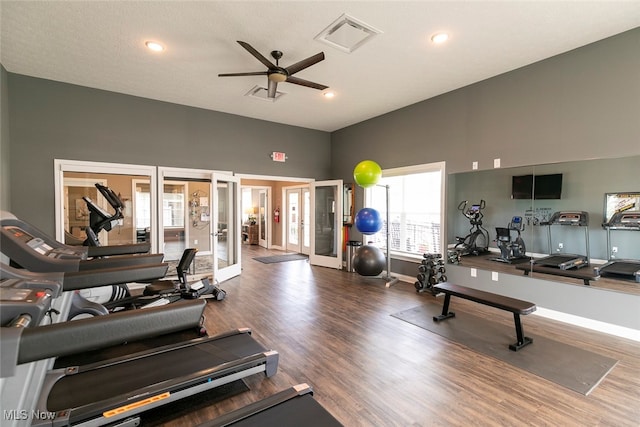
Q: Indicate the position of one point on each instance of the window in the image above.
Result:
(173, 205)
(415, 209)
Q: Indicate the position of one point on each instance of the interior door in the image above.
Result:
(226, 226)
(326, 223)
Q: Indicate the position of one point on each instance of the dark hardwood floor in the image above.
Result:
(333, 330)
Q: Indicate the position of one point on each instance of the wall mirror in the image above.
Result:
(497, 199)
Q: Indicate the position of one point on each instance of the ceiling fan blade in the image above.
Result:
(257, 55)
(255, 73)
(271, 89)
(306, 83)
(298, 66)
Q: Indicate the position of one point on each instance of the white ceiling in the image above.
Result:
(100, 44)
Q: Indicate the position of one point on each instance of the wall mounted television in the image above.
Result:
(538, 187)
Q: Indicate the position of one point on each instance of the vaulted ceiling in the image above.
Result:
(101, 44)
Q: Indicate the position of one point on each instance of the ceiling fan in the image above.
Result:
(277, 74)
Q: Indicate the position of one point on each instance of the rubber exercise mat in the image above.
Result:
(566, 365)
(280, 258)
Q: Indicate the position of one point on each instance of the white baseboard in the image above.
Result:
(596, 325)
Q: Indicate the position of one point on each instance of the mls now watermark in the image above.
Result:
(23, 414)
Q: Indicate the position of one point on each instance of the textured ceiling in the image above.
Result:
(101, 45)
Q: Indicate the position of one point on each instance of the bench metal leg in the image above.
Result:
(522, 340)
(445, 310)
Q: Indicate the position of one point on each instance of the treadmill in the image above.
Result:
(31, 249)
(118, 389)
(625, 268)
(34, 250)
(294, 406)
(566, 261)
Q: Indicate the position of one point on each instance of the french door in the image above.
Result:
(326, 220)
(226, 226)
(200, 210)
(298, 219)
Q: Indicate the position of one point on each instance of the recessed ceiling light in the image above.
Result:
(439, 38)
(154, 46)
(329, 94)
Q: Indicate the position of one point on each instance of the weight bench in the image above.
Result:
(516, 306)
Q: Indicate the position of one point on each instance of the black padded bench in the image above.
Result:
(516, 306)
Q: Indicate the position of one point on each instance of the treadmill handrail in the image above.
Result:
(63, 339)
(113, 276)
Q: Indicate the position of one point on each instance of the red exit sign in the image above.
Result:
(277, 156)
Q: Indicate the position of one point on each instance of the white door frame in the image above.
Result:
(234, 226)
(324, 260)
(60, 166)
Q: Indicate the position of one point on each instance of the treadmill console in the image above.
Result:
(22, 305)
(576, 218)
(40, 246)
(629, 220)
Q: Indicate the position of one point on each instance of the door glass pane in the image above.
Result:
(262, 215)
(112, 228)
(186, 220)
(226, 250)
(307, 218)
(173, 214)
(293, 217)
(325, 230)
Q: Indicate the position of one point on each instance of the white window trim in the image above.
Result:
(415, 169)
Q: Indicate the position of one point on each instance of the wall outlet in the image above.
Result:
(474, 272)
(195, 242)
(494, 276)
(496, 163)
(560, 245)
(614, 250)
(474, 166)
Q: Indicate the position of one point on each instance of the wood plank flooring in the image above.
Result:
(333, 330)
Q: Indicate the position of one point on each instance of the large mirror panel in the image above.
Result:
(496, 201)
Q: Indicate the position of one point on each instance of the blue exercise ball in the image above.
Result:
(369, 261)
(368, 221)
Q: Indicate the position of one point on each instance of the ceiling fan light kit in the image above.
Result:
(277, 74)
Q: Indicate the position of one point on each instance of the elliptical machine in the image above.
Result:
(511, 251)
(477, 241)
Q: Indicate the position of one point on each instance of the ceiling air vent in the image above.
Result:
(347, 34)
(260, 92)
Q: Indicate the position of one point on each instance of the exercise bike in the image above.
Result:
(511, 251)
(477, 241)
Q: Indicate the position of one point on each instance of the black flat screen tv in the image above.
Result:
(547, 186)
(522, 187)
(538, 187)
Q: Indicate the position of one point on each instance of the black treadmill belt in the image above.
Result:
(555, 260)
(300, 411)
(100, 384)
(622, 267)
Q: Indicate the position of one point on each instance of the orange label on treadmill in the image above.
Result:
(135, 405)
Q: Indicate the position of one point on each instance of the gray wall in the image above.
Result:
(52, 120)
(5, 165)
(580, 105)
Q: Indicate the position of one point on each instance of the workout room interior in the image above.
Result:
(340, 214)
